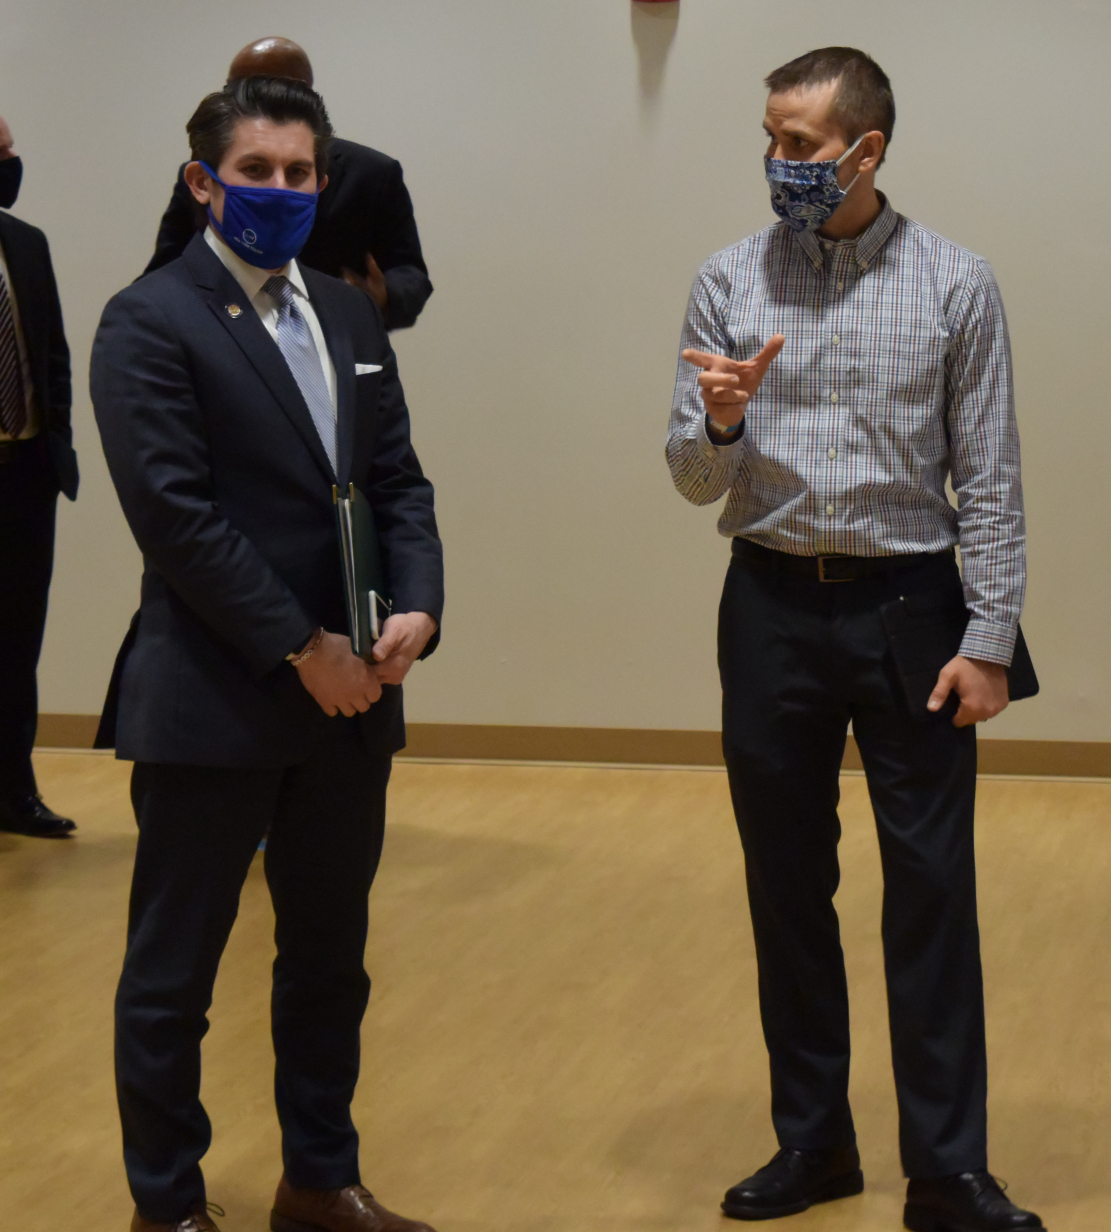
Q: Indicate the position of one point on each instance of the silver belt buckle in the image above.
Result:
(822, 569)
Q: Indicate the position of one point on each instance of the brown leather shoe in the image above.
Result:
(335, 1210)
(198, 1221)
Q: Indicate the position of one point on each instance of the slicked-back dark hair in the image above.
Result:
(284, 100)
(863, 102)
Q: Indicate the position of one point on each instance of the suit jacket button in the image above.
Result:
(234, 311)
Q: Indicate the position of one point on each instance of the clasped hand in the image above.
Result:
(373, 282)
(342, 683)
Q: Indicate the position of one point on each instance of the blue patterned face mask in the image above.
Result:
(805, 195)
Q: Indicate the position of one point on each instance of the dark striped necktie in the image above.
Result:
(13, 402)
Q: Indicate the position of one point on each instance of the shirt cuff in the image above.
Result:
(989, 642)
(712, 447)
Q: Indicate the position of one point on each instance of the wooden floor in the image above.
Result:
(563, 1030)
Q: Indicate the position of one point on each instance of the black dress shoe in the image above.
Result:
(970, 1202)
(28, 815)
(794, 1181)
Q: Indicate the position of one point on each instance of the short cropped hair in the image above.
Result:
(863, 102)
(284, 100)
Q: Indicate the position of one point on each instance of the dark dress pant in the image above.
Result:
(199, 828)
(799, 659)
(28, 505)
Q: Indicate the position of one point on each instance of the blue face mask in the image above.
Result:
(267, 227)
(805, 195)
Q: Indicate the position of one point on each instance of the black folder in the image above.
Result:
(364, 578)
(924, 632)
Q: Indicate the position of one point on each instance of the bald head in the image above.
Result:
(272, 57)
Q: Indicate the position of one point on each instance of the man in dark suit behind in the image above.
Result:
(36, 462)
(230, 396)
(365, 231)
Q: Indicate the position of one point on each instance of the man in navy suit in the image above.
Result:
(365, 231)
(233, 389)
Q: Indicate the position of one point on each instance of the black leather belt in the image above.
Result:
(834, 568)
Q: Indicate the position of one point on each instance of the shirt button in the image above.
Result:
(832, 453)
(829, 510)
(840, 286)
(836, 340)
(833, 397)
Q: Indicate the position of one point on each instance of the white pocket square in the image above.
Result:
(363, 369)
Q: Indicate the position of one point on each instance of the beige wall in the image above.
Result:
(567, 186)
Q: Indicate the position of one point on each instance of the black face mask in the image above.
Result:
(11, 173)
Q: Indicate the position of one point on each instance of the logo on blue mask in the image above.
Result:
(806, 195)
(267, 227)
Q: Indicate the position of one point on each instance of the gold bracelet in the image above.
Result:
(315, 641)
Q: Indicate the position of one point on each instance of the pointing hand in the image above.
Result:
(728, 384)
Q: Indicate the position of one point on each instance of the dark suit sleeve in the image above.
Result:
(179, 224)
(403, 504)
(58, 378)
(156, 446)
(398, 253)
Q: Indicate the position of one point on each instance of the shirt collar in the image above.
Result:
(250, 277)
(868, 245)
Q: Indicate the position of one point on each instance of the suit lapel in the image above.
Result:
(247, 330)
(338, 337)
(25, 280)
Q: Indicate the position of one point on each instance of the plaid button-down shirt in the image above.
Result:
(895, 376)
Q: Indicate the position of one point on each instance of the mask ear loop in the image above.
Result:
(212, 174)
(846, 154)
(212, 217)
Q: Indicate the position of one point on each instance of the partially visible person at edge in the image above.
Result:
(838, 367)
(233, 389)
(364, 232)
(36, 463)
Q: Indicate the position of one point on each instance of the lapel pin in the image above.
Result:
(234, 311)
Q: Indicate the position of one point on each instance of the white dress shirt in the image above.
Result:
(251, 279)
(32, 426)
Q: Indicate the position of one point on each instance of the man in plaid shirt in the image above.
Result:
(837, 369)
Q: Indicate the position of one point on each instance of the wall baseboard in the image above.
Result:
(644, 746)
(641, 746)
(67, 731)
